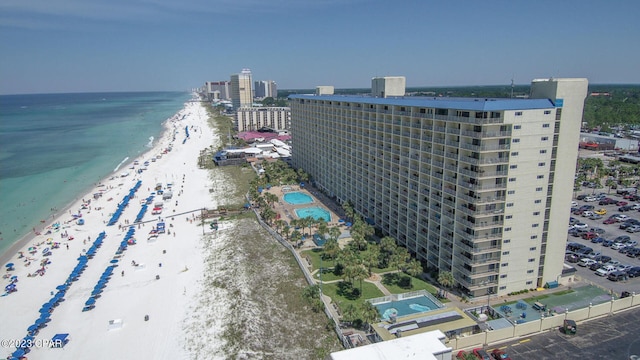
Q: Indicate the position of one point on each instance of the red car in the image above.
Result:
(621, 203)
(610, 221)
(589, 235)
(500, 355)
(481, 354)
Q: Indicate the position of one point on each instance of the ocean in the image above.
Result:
(55, 147)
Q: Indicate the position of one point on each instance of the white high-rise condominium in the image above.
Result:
(478, 187)
(241, 93)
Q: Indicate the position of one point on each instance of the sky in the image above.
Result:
(54, 46)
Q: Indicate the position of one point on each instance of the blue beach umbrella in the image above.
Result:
(90, 302)
(9, 265)
(32, 328)
(18, 353)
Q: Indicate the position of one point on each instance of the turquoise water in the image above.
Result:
(315, 212)
(55, 147)
(297, 198)
(406, 307)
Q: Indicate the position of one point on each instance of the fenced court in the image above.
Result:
(578, 298)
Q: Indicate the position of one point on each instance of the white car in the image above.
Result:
(581, 226)
(590, 198)
(574, 204)
(586, 262)
(621, 217)
(605, 270)
(588, 213)
(618, 246)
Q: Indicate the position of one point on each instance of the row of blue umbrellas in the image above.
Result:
(141, 213)
(123, 204)
(97, 290)
(96, 245)
(125, 242)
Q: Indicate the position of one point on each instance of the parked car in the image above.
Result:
(595, 266)
(586, 262)
(590, 199)
(602, 259)
(621, 217)
(605, 270)
(572, 246)
(634, 272)
(633, 229)
(573, 220)
(481, 354)
(625, 208)
(623, 268)
(500, 355)
(598, 240)
(581, 197)
(584, 251)
(607, 201)
(574, 204)
(628, 223)
(594, 255)
(617, 276)
(618, 246)
(595, 217)
(572, 258)
(621, 203)
(602, 211)
(580, 225)
(607, 243)
(622, 239)
(589, 235)
(587, 213)
(633, 252)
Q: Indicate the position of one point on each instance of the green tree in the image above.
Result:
(369, 314)
(371, 257)
(446, 279)
(414, 268)
(331, 249)
(350, 313)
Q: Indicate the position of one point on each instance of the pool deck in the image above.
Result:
(287, 211)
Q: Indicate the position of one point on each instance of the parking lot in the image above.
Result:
(611, 231)
(611, 337)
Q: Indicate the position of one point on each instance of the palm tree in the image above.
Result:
(399, 259)
(296, 236)
(357, 272)
(350, 313)
(358, 240)
(348, 210)
(371, 257)
(334, 233)
(280, 224)
(369, 314)
(387, 248)
(270, 198)
(414, 268)
(268, 214)
(323, 229)
(285, 231)
(331, 248)
(446, 279)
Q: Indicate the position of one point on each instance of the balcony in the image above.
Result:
(485, 148)
(486, 134)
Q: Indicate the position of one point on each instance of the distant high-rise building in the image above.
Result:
(218, 90)
(265, 89)
(477, 187)
(254, 118)
(241, 93)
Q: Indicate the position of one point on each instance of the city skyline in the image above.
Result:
(157, 45)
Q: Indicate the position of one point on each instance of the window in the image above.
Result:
(503, 276)
(513, 166)
(505, 253)
(533, 237)
(538, 189)
(518, 113)
(543, 151)
(512, 179)
(506, 241)
(541, 164)
(547, 112)
(544, 138)
(535, 225)
(516, 127)
(511, 192)
(538, 201)
(545, 125)
(536, 213)
(507, 229)
(503, 288)
(508, 217)
(540, 176)
(504, 264)
(532, 248)
(514, 153)
(515, 140)
(529, 282)
(509, 204)
(529, 271)
(532, 260)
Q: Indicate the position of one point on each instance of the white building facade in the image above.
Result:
(472, 186)
(241, 92)
(254, 118)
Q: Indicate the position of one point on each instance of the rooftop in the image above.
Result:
(471, 104)
(423, 346)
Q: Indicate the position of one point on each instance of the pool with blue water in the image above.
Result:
(405, 307)
(315, 212)
(297, 198)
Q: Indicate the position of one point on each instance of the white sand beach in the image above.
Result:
(148, 303)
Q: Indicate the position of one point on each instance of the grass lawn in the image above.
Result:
(369, 291)
(314, 256)
(416, 284)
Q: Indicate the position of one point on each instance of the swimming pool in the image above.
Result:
(297, 198)
(315, 212)
(405, 307)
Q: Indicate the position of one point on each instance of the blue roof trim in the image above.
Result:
(472, 104)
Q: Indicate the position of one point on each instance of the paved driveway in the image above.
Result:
(611, 337)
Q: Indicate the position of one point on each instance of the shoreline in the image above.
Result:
(134, 292)
(12, 250)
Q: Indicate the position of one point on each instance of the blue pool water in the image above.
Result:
(297, 198)
(315, 212)
(406, 307)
